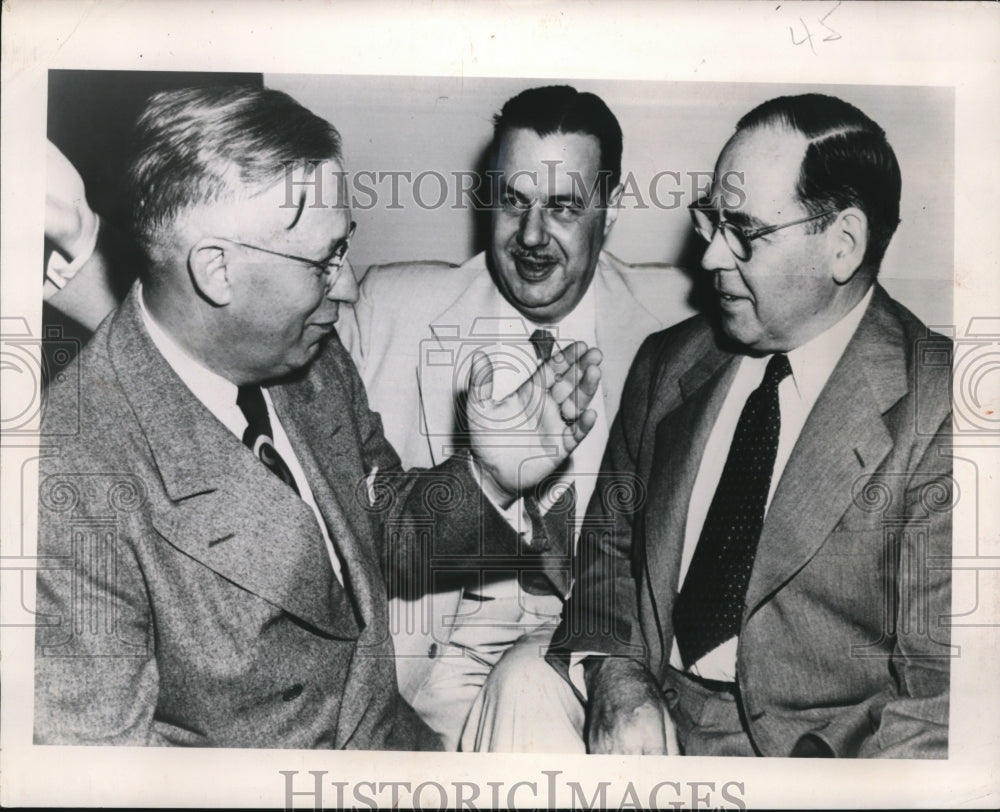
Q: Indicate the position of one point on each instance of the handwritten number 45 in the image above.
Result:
(832, 36)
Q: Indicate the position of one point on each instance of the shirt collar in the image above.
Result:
(813, 362)
(578, 325)
(217, 393)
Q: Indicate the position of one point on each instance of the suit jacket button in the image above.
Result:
(292, 693)
(432, 652)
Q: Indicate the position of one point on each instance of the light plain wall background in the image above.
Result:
(443, 125)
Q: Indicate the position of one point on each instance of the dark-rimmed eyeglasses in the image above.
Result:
(707, 219)
(331, 267)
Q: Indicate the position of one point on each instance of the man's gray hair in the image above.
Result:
(198, 146)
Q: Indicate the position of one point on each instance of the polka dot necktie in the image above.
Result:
(710, 605)
(257, 436)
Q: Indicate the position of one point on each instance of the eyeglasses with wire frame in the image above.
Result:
(708, 219)
(330, 266)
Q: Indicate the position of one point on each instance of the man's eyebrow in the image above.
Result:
(510, 190)
(332, 249)
(742, 219)
(565, 200)
(334, 244)
(298, 211)
(558, 200)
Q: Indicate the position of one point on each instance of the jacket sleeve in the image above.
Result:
(602, 614)
(96, 678)
(427, 518)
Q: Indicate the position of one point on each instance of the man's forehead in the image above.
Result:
(301, 212)
(304, 190)
(758, 171)
(313, 183)
(526, 158)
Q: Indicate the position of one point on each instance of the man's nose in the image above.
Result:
(718, 256)
(533, 230)
(345, 286)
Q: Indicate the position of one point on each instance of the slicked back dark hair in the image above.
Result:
(198, 146)
(564, 109)
(848, 162)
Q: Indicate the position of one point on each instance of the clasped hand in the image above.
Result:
(521, 439)
(626, 710)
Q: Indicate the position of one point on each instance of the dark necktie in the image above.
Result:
(542, 341)
(548, 544)
(257, 436)
(710, 605)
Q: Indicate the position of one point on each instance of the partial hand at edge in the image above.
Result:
(626, 712)
(69, 221)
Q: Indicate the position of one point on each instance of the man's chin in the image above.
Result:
(297, 363)
(313, 348)
(536, 300)
(737, 331)
(540, 312)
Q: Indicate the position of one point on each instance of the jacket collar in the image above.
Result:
(227, 510)
(845, 437)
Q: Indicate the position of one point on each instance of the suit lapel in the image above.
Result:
(844, 438)
(691, 411)
(622, 322)
(227, 510)
(325, 447)
(467, 324)
(311, 412)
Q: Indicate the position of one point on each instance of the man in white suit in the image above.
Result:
(544, 282)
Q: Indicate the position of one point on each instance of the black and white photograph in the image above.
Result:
(476, 426)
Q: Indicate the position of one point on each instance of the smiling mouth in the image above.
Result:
(728, 298)
(534, 268)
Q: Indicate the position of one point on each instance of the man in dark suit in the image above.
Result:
(217, 502)
(777, 581)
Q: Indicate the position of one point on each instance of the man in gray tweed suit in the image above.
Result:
(218, 505)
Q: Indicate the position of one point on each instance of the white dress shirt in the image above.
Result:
(510, 372)
(219, 396)
(812, 365)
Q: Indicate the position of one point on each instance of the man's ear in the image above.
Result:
(849, 242)
(207, 262)
(611, 212)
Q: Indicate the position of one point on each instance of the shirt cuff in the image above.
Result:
(515, 514)
(575, 671)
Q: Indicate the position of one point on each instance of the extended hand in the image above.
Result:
(626, 712)
(524, 437)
